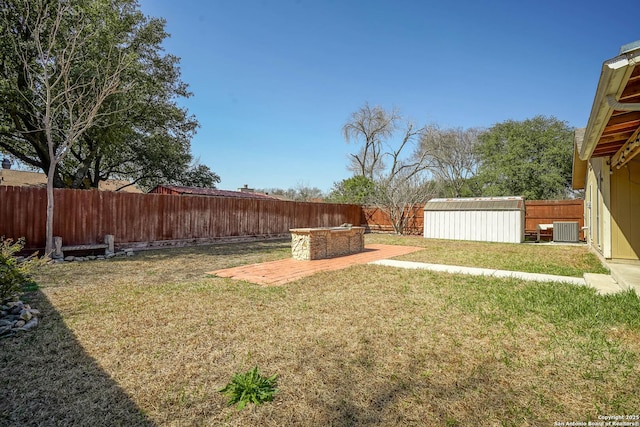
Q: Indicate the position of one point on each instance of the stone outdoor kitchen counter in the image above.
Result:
(326, 242)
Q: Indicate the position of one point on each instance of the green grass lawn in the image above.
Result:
(562, 260)
(150, 339)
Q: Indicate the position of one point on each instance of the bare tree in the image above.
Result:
(398, 167)
(67, 90)
(402, 197)
(371, 126)
(451, 155)
(406, 182)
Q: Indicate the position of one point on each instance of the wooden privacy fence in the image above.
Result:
(548, 211)
(376, 220)
(86, 216)
(536, 212)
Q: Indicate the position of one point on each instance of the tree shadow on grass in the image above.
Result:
(462, 400)
(382, 405)
(46, 378)
(235, 248)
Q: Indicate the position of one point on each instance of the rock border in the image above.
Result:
(17, 317)
(71, 258)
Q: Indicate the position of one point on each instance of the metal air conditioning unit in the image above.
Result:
(565, 231)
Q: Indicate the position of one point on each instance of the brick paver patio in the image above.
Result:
(286, 270)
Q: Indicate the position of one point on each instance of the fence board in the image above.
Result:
(376, 220)
(85, 216)
(548, 211)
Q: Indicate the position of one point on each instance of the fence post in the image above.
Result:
(57, 247)
(109, 240)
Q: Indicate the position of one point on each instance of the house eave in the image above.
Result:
(613, 78)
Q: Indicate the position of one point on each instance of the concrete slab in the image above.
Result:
(442, 268)
(604, 283)
(482, 271)
(626, 274)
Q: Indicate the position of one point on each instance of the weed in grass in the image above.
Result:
(250, 387)
(451, 422)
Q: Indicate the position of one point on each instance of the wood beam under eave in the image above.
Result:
(606, 150)
(621, 118)
(633, 99)
(635, 73)
(632, 90)
(603, 144)
(621, 129)
(616, 138)
(628, 151)
(632, 154)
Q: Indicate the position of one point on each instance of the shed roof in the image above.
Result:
(476, 204)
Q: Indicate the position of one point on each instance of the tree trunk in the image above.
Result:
(49, 228)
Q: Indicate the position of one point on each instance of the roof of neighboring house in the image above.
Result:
(213, 192)
(476, 204)
(20, 178)
(579, 170)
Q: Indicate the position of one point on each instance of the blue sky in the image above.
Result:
(274, 81)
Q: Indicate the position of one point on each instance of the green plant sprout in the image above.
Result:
(250, 387)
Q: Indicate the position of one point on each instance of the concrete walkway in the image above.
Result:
(623, 275)
(627, 275)
(603, 283)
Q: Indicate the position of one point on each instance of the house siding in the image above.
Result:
(625, 205)
(612, 200)
(597, 206)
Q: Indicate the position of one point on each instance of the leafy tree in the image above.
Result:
(357, 190)
(109, 55)
(299, 193)
(65, 100)
(198, 175)
(469, 188)
(531, 158)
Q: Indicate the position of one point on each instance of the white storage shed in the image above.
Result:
(485, 219)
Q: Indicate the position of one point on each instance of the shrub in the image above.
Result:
(14, 272)
(250, 387)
